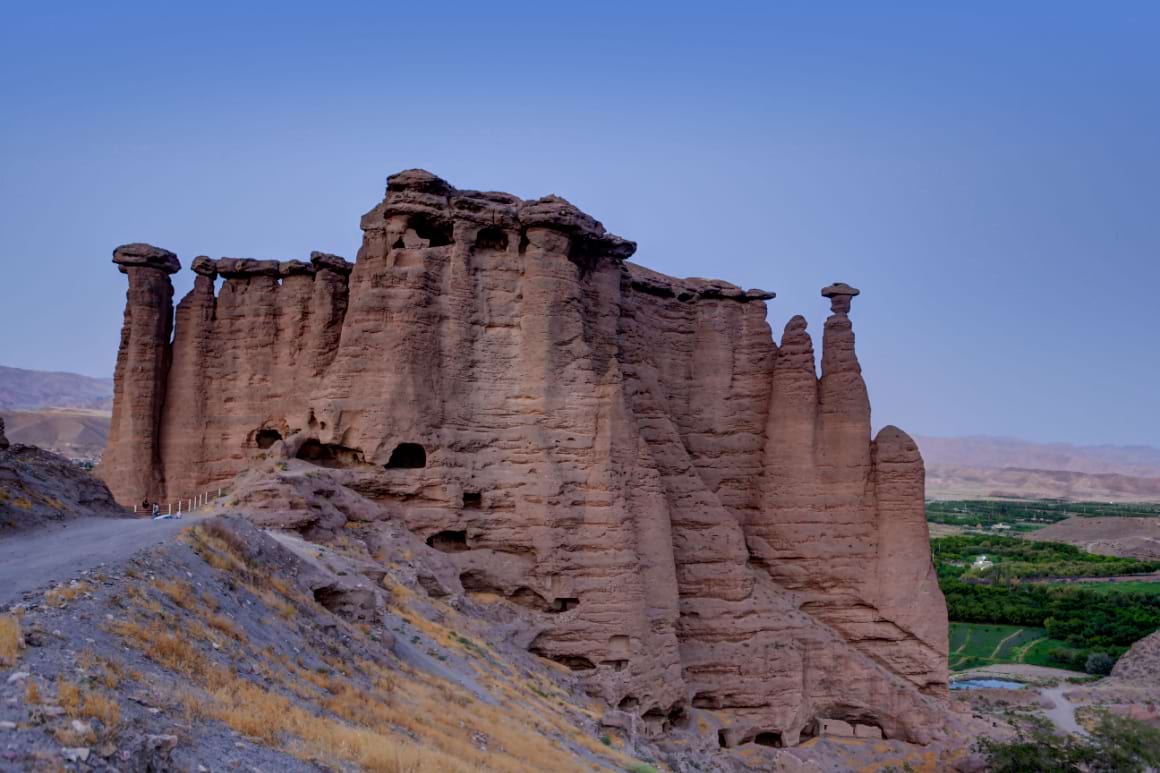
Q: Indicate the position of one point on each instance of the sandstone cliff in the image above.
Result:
(701, 521)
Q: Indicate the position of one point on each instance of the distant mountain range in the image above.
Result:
(995, 467)
(30, 390)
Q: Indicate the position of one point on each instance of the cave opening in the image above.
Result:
(267, 437)
(573, 662)
(407, 456)
(491, 238)
(448, 541)
(472, 499)
(437, 233)
(330, 455)
(768, 738)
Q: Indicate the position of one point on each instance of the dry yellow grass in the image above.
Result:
(11, 640)
(79, 703)
(62, 594)
(31, 693)
(181, 593)
(331, 717)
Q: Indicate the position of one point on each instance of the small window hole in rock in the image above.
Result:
(407, 456)
(563, 604)
(628, 703)
(472, 500)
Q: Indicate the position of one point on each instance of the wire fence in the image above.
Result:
(179, 507)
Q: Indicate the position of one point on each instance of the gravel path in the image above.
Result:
(34, 560)
(1063, 714)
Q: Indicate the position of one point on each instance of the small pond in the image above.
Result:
(986, 684)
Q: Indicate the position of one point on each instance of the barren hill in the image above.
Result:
(75, 434)
(1110, 536)
(989, 467)
(22, 390)
(953, 482)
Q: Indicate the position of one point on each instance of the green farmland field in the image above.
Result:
(975, 644)
(1141, 587)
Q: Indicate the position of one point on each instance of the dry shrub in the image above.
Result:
(31, 692)
(181, 593)
(80, 703)
(62, 594)
(163, 647)
(11, 640)
(225, 625)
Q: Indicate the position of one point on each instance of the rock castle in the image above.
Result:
(701, 520)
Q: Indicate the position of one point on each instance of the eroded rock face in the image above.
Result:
(699, 518)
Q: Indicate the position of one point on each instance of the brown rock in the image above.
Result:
(132, 461)
(698, 518)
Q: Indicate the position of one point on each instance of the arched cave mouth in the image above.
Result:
(407, 456)
(330, 455)
(437, 233)
(449, 541)
(267, 437)
(768, 738)
(491, 238)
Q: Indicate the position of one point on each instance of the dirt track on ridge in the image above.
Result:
(35, 560)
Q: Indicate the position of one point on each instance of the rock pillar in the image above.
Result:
(131, 465)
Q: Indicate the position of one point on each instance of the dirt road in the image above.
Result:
(41, 559)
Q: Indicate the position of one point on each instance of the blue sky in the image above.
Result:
(987, 175)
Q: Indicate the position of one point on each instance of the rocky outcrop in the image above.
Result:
(38, 487)
(700, 520)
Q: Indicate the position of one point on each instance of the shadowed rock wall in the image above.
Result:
(701, 520)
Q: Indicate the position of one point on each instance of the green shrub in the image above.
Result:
(1116, 745)
(1099, 663)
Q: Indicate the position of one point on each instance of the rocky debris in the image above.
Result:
(37, 486)
(697, 519)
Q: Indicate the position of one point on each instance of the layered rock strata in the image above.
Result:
(702, 521)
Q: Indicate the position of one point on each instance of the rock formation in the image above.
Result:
(700, 519)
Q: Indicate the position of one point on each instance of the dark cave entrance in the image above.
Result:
(267, 437)
(330, 455)
(407, 456)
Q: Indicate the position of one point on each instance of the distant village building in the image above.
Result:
(1000, 527)
(981, 562)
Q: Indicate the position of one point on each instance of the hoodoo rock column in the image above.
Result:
(131, 463)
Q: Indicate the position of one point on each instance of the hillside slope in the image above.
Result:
(72, 433)
(234, 648)
(998, 452)
(957, 482)
(22, 389)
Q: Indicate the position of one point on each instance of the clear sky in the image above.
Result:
(988, 174)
